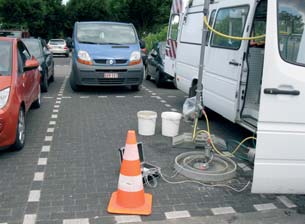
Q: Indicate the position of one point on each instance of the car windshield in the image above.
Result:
(33, 46)
(101, 33)
(5, 58)
(57, 42)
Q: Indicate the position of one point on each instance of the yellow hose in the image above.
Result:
(228, 36)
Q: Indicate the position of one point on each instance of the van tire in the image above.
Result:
(147, 77)
(136, 87)
(192, 91)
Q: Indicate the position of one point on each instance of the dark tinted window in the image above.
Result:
(291, 30)
(33, 46)
(5, 58)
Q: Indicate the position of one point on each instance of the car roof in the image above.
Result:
(107, 22)
(30, 39)
(10, 39)
(56, 39)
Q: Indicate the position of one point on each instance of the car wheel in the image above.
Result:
(20, 132)
(73, 85)
(36, 104)
(52, 78)
(45, 84)
(136, 87)
(147, 77)
(159, 79)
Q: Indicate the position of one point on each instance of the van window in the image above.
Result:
(230, 21)
(212, 17)
(291, 31)
(103, 33)
(174, 27)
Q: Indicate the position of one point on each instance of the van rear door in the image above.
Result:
(224, 62)
(280, 151)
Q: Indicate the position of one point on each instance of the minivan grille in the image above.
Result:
(107, 61)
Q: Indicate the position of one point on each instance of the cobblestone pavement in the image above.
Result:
(70, 165)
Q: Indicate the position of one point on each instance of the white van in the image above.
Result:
(258, 84)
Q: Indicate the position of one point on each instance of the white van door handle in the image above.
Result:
(275, 91)
(234, 63)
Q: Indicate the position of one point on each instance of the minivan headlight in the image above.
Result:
(84, 58)
(135, 58)
(4, 94)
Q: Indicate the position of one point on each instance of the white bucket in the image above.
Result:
(170, 123)
(147, 122)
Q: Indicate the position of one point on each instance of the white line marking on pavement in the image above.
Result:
(59, 98)
(55, 111)
(177, 214)
(138, 96)
(286, 201)
(58, 102)
(263, 207)
(54, 116)
(67, 97)
(223, 210)
(59, 94)
(167, 105)
(52, 123)
(46, 148)
(48, 97)
(50, 130)
(42, 161)
(162, 101)
(39, 176)
(153, 94)
(48, 138)
(174, 110)
(171, 96)
(153, 97)
(56, 106)
(34, 196)
(76, 221)
(29, 219)
(102, 97)
(158, 97)
(120, 96)
(127, 218)
(84, 97)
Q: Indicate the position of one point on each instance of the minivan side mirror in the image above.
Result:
(30, 64)
(142, 44)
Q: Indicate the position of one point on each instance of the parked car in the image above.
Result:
(106, 54)
(45, 59)
(155, 65)
(14, 33)
(58, 46)
(19, 90)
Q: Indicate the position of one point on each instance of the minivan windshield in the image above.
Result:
(33, 46)
(5, 58)
(102, 33)
(291, 31)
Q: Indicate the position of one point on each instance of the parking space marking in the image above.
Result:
(102, 97)
(177, 214)
(67, 97)
(58, 98)
(127, 218)
(163, 101)
(286, 201)
(46, 148)
(48, 138)
(120, 96)
(153, 97)
(223, 210)
(34, 196)
(153, 94)
(56, 106)
(158, 97)
(171, 96)
(50, 130)
(76, 221)
(29, 219)
(264, 207)
(52, 123)
(55, 111)
(84, 97)
(42, 161)
(48, 97)
(54, 116)
(167, 105)
(38, 176)
(174, 110)
(138, 96)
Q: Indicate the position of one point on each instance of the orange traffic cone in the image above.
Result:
(130, 197)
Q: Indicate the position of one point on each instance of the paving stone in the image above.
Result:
(127, 218)
(223, 210)
(177, 214)
(287, 202)
(263, 207)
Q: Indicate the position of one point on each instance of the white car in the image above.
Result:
(58, 46)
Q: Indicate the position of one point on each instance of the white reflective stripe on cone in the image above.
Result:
(130, 184)
(131, 152)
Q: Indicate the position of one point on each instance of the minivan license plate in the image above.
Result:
(111, 75)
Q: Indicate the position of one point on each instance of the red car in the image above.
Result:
(19, 90)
